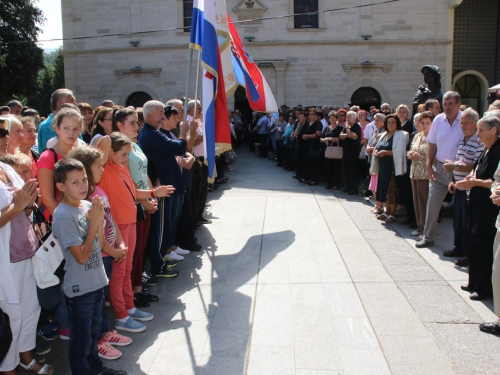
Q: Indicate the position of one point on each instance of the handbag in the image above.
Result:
(141, 214)
(5, 335)
(48, 259)
(334, 152)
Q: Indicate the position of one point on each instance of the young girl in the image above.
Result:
(91, 159)
(125, 121)
(118, 184)
(67, 124)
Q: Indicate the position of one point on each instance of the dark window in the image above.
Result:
(188, 14)
(138, 98)
(308, 10)
(365, 97)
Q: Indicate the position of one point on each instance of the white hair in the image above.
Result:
(474, 116)
(351, 114)
(150, 106)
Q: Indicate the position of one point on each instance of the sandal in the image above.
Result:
(377, 210)
(382, 216)
(390, 219)
(44, 370)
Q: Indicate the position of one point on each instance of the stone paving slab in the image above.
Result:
(300, 280)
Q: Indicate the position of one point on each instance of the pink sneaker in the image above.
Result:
(64, 334)
(106, 351)
(114, 338)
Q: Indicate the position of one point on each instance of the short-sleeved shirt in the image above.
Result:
(468, 152)
(316, 126)
(138, 164)
(116, 182)
(47, 161)
(70, 226)
(263, 124)
(109, 225)
(352, 145)
(445, 137)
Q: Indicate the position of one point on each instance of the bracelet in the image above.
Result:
(152, 192)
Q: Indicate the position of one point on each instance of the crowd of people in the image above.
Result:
(112, 185)
(446, 154)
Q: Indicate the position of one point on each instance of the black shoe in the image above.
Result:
(149, 297)
(462, 262)
(167, 273)
(204, 221)
(466, 288)
(475, 296)
(140, 301)
(110, 371)
(148, 279)
(456, 252)
(424, 243)
(169, 263)
(492, 328)
(413, 225)
(42, 347)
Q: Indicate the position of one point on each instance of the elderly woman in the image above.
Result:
(29, 139)
(18, 297)
(330, 137)
(378, 120)
(351, 144)
(389, 161)
(16, 135)
(418, 175)
(483, 211)
(312, 135)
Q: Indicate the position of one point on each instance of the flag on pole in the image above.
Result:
(259, 94)
(214, 103)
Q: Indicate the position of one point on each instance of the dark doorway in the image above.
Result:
(365, 97)
(470, 91)
(137, 99)
(241, 103)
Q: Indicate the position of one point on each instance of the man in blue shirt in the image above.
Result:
(162, 151)
(45, 131)
(262, 125)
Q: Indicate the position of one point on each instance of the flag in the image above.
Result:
(214, 103)
(224, 40)
(259, 94)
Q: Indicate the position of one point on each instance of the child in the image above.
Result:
(118, 184)
(77, 224)
(91, 159)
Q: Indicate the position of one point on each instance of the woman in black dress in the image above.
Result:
(330, 137)
(302, 167)
(311, 136)
(351, 143)
(483, 211)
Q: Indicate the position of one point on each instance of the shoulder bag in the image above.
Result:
(334, 152)
(141, 214)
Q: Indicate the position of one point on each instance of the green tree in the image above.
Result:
(58, 81)
(20, 58)
(41, 101)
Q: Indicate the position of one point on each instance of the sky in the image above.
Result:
(52, 28)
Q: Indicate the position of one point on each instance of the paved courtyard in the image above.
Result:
(300, 280)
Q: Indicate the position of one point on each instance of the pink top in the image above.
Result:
(47, 161)
(109, 225)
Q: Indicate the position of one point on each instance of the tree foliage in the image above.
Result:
(20, 58)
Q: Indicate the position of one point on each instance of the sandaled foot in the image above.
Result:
(38, 368)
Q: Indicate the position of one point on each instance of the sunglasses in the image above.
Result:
(3, 133)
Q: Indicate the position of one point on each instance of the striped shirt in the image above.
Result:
(467, 153)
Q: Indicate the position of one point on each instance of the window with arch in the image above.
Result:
(307, 11)
(187, 11)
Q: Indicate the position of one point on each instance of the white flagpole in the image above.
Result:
(197, 84)
(190, 62)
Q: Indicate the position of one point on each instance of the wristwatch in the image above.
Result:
(457, 166)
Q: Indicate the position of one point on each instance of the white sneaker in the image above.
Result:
(416, 233)
(174, 256)
(181, 251)
(421, 237)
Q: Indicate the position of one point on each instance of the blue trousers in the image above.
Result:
(84, 326)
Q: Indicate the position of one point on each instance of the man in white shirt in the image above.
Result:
(443, 139)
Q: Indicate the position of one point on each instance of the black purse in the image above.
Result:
(141, 214)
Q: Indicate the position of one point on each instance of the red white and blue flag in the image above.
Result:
(259, 94)
(216, 130)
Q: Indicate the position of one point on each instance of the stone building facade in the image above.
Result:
(364, 53)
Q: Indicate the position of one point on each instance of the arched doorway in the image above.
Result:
(473, 89)
(241, 103)
(365, 97)
(137, 99)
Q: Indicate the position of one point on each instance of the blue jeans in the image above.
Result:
(108, 267)
(85, 325)
(61, 313)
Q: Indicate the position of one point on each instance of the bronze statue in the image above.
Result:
(432, 77)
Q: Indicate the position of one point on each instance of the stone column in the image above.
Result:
(280, 67)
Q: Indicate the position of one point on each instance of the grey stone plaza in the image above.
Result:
(298, 280)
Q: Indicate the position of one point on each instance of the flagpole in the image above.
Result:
(190, 62)
(197, 84)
